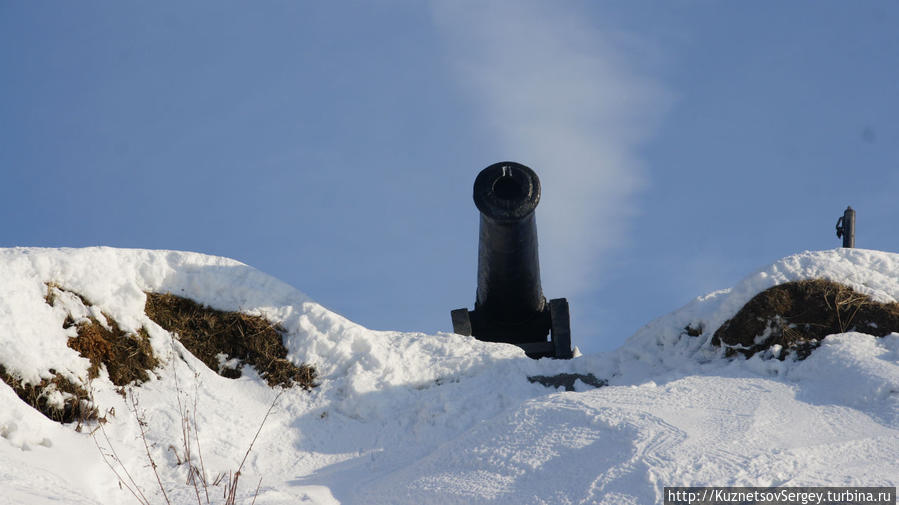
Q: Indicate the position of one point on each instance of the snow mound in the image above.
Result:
(410, 418)
(872, 273)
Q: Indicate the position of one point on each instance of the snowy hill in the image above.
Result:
(409, 418)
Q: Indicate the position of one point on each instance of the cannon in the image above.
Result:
(509, 304)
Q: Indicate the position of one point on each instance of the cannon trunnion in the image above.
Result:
(510, 306)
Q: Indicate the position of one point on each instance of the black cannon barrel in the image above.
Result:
(508, 264)
(510, 306)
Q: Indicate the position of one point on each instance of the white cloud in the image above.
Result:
(568, 100)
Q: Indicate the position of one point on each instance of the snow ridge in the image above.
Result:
(415, 418)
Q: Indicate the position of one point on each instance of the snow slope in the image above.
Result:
(409, 418)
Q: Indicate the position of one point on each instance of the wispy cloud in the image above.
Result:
(567, 99)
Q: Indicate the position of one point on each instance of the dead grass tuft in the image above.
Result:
(798, 315)
(217, 337)
(58, 398)
(127, 357)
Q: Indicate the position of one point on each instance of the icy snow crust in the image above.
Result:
(410, 418)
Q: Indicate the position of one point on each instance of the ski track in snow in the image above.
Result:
(407, 418)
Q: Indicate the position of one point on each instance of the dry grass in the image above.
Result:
(127, 357)
(251, 340)
(76, 400)
(205, 489)
(798, 315)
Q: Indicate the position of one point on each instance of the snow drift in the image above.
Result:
(415, 418)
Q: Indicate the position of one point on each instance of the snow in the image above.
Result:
(411, 418)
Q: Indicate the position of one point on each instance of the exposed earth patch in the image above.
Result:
(224, 341)
(796, 316)
(227, 341)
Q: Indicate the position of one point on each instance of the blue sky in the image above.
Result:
(681, 145)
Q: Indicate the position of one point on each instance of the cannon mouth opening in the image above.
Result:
(506, 191)
(507, 188)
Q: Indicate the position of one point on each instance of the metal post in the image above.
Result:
(846, 228)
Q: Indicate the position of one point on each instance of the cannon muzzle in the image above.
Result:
(509, 305)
